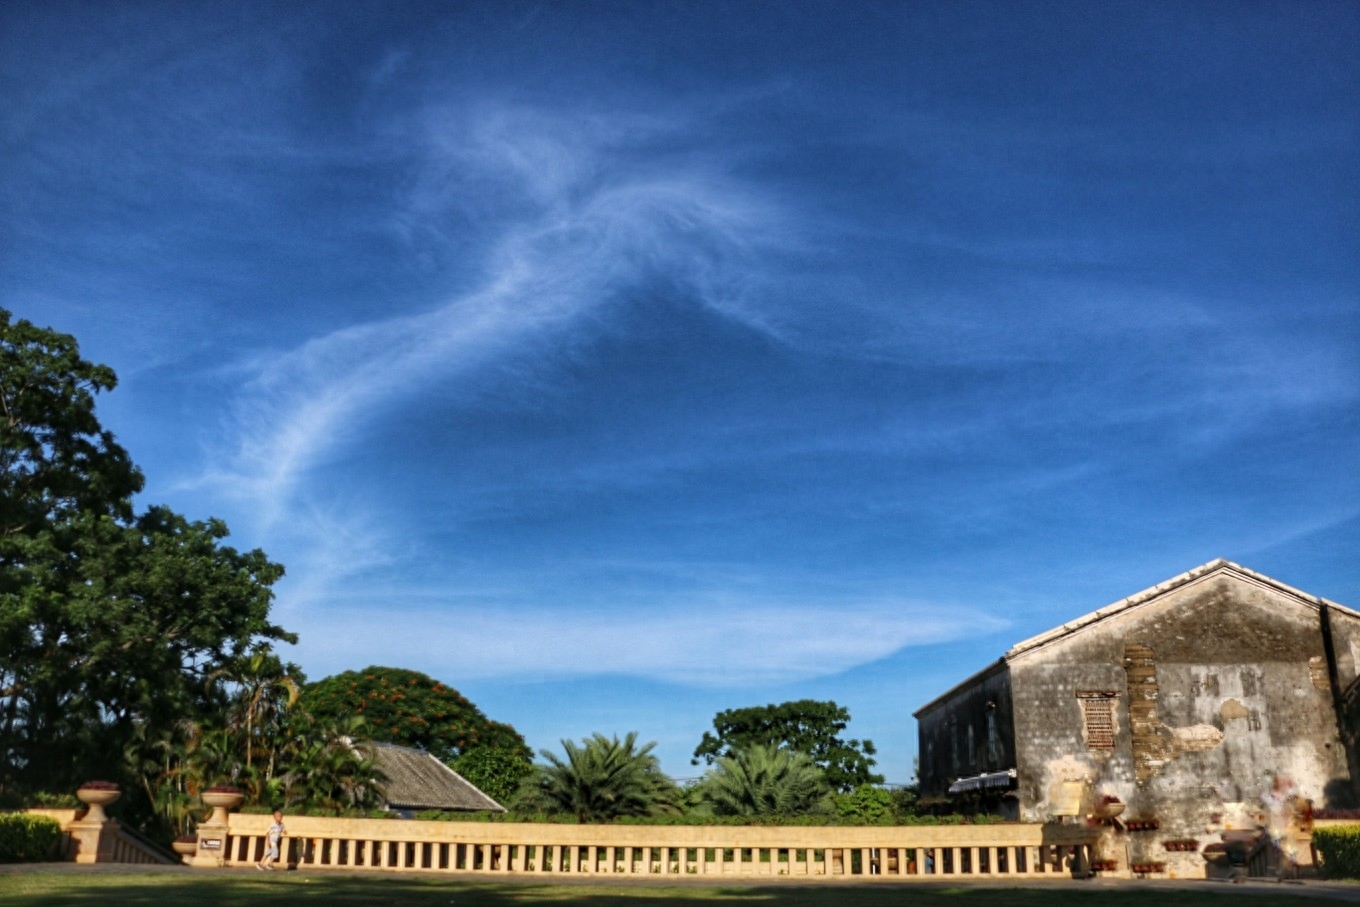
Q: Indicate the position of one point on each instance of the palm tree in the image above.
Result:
(158, 757)
(765, 780)
(328, 769)
(602, 779)
(262, 691)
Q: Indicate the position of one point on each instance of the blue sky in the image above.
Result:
(619, 363)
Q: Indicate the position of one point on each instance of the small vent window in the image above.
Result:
(1097, 710)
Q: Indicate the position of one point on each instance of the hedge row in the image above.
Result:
(1339, 848)
(41, 799)
(28, 839)
(260, 809)
(435, 815)
(813, 821)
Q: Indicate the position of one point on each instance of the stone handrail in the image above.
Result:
(92, 841)
(677, 852)
(131, 846)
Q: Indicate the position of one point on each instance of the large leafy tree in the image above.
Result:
(602, 779)
(804, 726)
(111, 621)
(763, 780)
(412, 709)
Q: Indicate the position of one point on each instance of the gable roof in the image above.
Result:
(1221, 565)
(417, 780)
(1139, 598)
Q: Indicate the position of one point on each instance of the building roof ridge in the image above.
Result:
(1152, 592)
(1128, 602)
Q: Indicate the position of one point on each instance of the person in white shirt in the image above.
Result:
(274, 839)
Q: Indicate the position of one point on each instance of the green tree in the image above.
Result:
(498, 773)
(60, 468)
(110, 621)
(58, 461)
(600, 780)
(805, 726)
(764, 780)
(411, 709)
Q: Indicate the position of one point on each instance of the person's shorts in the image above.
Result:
(273, 851)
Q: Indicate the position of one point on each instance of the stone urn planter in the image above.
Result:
(221, 799)
(97, 795)
(1108, 808)
(186, 847)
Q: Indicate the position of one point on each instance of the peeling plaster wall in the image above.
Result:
(1218, 684)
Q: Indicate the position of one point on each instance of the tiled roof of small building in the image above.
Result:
(417, 780)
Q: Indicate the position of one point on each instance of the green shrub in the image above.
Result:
(497, 772)
(28, 839)
(264, 809)
(13, 800)
(868, 804)
(688, 819)
(705, 821)
(51, 800)
(1339, 848)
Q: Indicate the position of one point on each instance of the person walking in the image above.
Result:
(274, 840)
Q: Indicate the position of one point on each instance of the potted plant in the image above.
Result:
(221, 798)
(97, 795)
(185, 845)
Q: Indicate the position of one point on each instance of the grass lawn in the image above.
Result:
(243, 889)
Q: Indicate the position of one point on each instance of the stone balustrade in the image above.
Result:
(895, 853)
(100, 839)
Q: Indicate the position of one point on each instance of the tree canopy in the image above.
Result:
(59, 462)
(111, 621)
(804, 726)
(412, 709)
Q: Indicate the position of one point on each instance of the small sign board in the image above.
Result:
(210, 844)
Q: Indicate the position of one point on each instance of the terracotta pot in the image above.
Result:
(96, 799)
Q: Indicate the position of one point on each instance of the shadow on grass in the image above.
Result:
(133, 889)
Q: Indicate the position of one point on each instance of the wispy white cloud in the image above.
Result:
(713, 643)
(584, 240)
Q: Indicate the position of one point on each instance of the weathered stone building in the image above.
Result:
(1183, 702)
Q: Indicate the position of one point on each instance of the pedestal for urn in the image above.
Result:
(93, 835)
(212, 834)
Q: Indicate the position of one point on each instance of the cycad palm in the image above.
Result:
(602, 779)
(766, 781)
